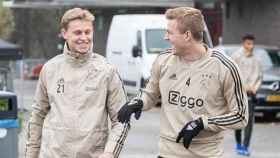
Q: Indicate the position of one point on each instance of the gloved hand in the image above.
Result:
(134, 106)
(190, 130)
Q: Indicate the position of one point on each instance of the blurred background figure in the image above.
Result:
(251, 71)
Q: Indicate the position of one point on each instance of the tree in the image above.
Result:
(36, 31)
(6, 22)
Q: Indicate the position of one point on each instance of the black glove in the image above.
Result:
(190, 130)
(134, 106)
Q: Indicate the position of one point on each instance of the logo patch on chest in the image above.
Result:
(176, 98)
(173, 77)
(92, 88)
(60, 85)
(205, 80)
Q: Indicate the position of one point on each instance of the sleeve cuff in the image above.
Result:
(205, 121)
(33, 154)
(110, 146)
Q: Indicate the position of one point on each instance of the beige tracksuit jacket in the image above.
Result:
(210, 87)
(250, 67)
(73, 100)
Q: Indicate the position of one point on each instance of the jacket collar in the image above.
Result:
(76, 59)
(247, 54)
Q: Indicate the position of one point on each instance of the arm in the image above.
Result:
(115, 99)
(259, 77)
(151, 92)
(235, 55)
(40, 109)
(235, 99)
(149, 98)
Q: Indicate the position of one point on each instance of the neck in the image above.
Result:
(196, 52)
(248, 52)
(75, 54)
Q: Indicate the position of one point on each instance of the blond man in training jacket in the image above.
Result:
(76, 94)
(201, 90)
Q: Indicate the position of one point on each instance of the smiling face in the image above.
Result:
(177, 39)
(184, 27)
(78, 35)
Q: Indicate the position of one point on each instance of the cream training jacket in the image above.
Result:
(250, 68)
(74, 98)
(210, 87)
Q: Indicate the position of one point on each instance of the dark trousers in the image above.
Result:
(249, 128)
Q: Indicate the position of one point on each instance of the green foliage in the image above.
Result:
(36, 31)
(6, 22)
(4, 105)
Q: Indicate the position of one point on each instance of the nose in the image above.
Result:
(84, 36)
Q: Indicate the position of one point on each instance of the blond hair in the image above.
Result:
(188, 19)
(74, 14)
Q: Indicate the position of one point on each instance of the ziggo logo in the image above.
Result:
(175, 98)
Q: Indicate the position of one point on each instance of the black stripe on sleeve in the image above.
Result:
(121, 140)
(239, 88)
(122, 85)
(236, 77)
(239, 116)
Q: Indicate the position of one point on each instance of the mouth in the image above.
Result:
(83, 45)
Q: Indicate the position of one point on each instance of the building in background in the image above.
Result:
(212, 11)
(37, 28)
(260, 17)
(37, 21)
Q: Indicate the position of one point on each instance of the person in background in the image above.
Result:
(76, 93)
(251, 70)
(202, 93)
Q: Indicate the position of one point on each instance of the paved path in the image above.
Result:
(143, 136)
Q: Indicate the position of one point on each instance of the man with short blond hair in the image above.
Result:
(73, 14)
(201, 92)
(188, 19)
(76, 93)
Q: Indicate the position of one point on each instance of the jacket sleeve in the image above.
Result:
(151, 93)
(235, 100)
(258, 75)
(115, 99)
(234, 56)
(40, 109)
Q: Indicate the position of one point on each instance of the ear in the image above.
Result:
(187, 35)
(63, 33)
